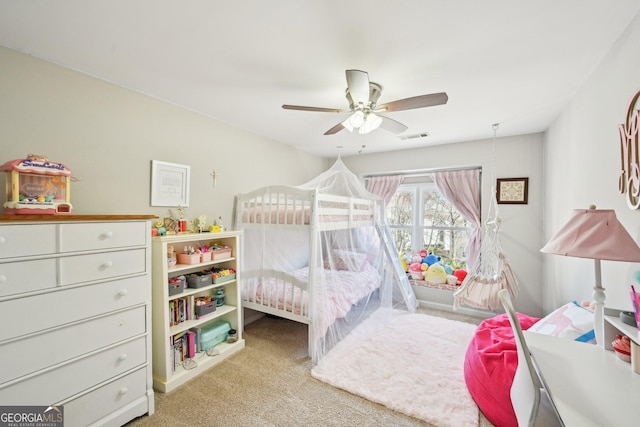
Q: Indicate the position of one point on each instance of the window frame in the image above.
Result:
(418, 227)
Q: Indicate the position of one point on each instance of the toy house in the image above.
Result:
(35, 186)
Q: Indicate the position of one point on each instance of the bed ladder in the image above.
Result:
(400, 274)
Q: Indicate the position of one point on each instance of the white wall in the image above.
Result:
(519, 156)
(108, 136)
(582, 164)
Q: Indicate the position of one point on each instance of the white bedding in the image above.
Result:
(343, 289)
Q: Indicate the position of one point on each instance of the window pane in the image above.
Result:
(438, 211)
(402, 239)
(399, 211)
(448, 244)
(445, 231)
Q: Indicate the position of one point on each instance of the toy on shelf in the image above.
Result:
(37, 186)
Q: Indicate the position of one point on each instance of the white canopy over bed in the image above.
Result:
(320, 253)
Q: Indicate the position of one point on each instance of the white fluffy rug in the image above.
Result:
(413, 365)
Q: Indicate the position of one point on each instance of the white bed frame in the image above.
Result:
(285, 207)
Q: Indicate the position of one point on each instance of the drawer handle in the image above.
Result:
(108, 234)
(3, 278)
(2, 240)
(124, 390)
(107, 264)
(122, 357)
(122, 293)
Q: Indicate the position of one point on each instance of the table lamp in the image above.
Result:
(596, 234)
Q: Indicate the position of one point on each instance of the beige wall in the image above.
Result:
(519, 156)
(582, 165)
(108, 136)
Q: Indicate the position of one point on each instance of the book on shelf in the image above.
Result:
(197, 332)
(191, 344)
(179, 311)
(179, 349)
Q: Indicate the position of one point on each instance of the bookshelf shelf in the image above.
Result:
(167, 372)
(188, 292)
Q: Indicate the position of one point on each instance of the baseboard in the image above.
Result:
(483, 314)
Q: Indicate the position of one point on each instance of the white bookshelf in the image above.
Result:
(168, 375)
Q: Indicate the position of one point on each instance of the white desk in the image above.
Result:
(588, 385)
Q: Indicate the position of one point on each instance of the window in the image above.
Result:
(420, 218)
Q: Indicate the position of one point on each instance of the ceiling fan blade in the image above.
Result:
(392, 125)
(358, 86)
(415, 102)
(320, 109)
(337, 128)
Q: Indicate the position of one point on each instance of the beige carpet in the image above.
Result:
(268, 383)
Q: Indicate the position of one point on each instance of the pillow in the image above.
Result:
(346, 261)
(570, 321)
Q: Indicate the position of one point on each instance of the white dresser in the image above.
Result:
(75, 310)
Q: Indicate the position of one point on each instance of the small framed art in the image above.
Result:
(513, 191)
(169, 184)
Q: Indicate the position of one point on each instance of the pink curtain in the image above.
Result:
(462, 189)
(384, 186)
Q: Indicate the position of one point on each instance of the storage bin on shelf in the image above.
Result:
(188, 258)
(220, 252)
(176, 285)
(204, 306)
(222, 275)
(199, 280)
(205, 256)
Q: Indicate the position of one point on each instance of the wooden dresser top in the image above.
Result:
(61, 218)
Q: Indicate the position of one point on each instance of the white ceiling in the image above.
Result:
(511, 62)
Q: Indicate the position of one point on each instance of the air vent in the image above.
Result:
(414, 136)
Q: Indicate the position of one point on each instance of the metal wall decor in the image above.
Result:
(629, 179)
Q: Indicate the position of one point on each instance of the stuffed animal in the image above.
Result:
(448, 269)
(415, 270)
(431, 259)
(461, 274)
(436, 274)
(403, 261)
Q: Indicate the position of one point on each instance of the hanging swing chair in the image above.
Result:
(492, 272)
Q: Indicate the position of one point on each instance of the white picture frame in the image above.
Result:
(169, 184)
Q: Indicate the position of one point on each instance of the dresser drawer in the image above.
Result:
(93, 406)
(72, 378)
(102, 235)
(25, 276)
(27, 315)
(26, 240)
(22, 356)
(107, 265)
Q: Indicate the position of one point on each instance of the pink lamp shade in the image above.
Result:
(594, 234)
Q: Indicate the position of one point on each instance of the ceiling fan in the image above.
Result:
(363, 96)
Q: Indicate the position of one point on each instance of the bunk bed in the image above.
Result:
(317, 254)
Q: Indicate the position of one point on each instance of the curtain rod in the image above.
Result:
(419, 172)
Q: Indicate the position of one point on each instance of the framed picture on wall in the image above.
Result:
(169, 184)
(514, 191)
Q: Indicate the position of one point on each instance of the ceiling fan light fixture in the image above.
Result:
(371, 122)
(347, 124)
(357, 119)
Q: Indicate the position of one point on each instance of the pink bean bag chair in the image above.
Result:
(490, 363)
